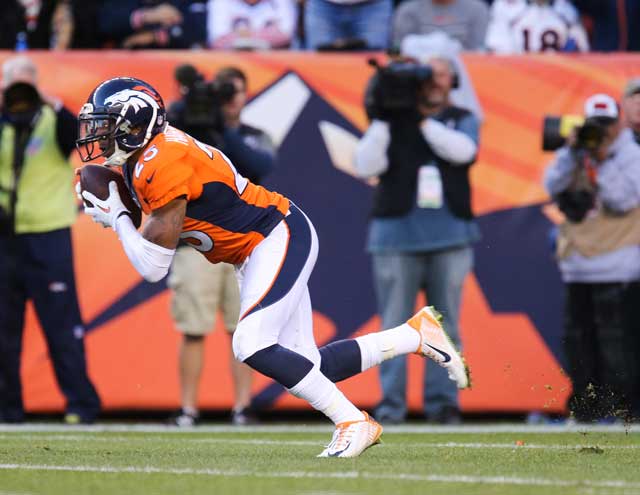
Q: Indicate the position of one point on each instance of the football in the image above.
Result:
(96, 178)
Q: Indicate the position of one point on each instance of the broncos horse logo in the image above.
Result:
(134, 98)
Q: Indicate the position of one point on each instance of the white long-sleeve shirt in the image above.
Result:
(454, 146)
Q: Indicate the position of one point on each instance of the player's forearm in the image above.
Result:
(150, 260)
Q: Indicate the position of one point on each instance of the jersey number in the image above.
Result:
(199, 240)
(240, 181)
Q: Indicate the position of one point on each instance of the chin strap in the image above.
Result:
(118, 158)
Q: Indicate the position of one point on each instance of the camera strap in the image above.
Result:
(21, 139)
(585, 174)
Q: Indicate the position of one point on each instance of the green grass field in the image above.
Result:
(281, 460)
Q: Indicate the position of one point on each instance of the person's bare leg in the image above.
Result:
(242, 377)
(191, 360)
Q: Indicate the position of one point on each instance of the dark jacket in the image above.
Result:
(396, 192)
(249, 149)
(610, 23)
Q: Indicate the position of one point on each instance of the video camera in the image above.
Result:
(394, 88)
(202, 99)
(577, 200)
(589, 132)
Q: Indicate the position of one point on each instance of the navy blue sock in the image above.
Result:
(340, 360)
(283, 365)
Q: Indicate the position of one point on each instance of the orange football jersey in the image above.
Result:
(227, 216)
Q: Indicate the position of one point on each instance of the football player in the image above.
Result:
(525, 26)
(192, 192)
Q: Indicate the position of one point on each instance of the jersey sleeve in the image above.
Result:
(162, 176)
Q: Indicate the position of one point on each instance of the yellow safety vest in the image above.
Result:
(45, 199)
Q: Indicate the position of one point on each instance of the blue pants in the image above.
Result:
(40, 267)
(398, 279)
(326, 22)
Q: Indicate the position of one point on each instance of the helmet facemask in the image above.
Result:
(107, 133)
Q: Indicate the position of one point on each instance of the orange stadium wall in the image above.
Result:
(311, 104)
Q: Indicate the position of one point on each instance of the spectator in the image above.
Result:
(520, 26)
(613, 24)
(251, 24)
(57, 24)
(631, 112)
(463, 20)
(37, 207)
(199, 287)
(596, 182)
(84, 16)
(357, 24)
(153, 23)
(30, 23)
(631, 107)
(62, 25)
(422, 224)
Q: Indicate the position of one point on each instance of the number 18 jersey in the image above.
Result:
(226, 217)
(520, 26)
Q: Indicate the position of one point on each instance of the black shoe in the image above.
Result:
(243, 417)
(184, 419)
(389, 416)
(72, 418)
(14, 421)
(448, 415)
(12, 415)
(388, 420)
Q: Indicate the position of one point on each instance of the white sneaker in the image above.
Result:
(436, 344)
(351, 438)
(184, 419)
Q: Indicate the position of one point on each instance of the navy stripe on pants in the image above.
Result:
(295, 258)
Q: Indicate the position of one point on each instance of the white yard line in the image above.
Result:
(90, 437)
(319, 428)
(513, 445)
(408, 477)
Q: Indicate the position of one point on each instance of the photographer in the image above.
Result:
(37, 209)
(421, 148)
(211, 112)
(595, 180)
(631, 107)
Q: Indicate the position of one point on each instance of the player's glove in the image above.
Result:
(105, 211)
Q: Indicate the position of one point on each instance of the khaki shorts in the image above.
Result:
(200, 289)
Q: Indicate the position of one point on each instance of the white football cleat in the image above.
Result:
(436, 344)
(351, 438)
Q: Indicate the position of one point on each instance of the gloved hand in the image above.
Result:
(105, 211)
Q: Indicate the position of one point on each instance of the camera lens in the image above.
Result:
(590, 135)
(21, 98)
